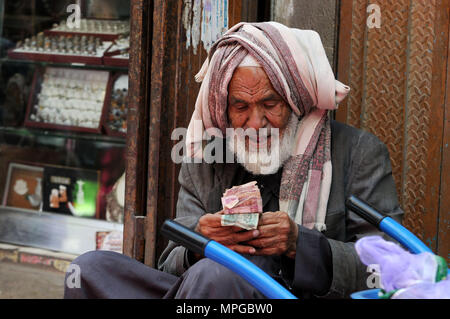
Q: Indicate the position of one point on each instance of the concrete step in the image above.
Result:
(32, 273)
(25, 281)
(43, 258)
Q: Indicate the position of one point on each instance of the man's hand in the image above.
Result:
(278, 235)
(230, 236)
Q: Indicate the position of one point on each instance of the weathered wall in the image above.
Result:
(319, 16)
(397, 76)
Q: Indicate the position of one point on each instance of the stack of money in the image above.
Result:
(242, 206)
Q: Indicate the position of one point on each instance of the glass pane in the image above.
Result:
(63, 110)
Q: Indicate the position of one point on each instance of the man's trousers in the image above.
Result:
(105, 274)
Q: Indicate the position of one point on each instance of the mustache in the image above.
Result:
(261, 160)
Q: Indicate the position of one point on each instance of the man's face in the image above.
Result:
(254, 103)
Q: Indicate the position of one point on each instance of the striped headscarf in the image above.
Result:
(297, 66)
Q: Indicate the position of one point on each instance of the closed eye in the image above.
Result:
(271, 103)
(240, 107)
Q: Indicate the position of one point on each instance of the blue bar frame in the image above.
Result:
(247, 270)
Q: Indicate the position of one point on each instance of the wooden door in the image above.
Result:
(398, 75)
(444, 209)
(162, 96)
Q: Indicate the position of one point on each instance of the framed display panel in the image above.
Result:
(23, 186)
(54, 143)
(61, 49)
(107, 30)
(52, 230)
(67, 99)
(57, 232)
(116, 106)
(71, 191)
(22, 154)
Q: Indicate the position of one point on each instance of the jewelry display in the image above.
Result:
(94, 26)
(63, 44)
(63, 119)
(118, 106)
(94, 42)
(23, 186)
(69, 190)
(69, 97)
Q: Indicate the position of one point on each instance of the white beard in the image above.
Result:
(264, 160)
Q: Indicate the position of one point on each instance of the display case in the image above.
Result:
(63, 123)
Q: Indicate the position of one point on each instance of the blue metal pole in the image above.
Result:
(226, 257)
(403, 236)
(247, 270)
(388, 225)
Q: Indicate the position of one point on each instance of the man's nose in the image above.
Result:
(257, 118)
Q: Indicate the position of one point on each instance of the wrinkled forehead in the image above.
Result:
(251, 75)
(251, 84)
(249, 79)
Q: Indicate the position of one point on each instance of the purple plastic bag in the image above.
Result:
(439, 290)
(398, 268)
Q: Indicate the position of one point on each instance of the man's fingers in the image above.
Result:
(264, 242)
(270, 218)
(234, 229)
(235, 238)
(268, 230)
(210, 220)
(242, 249)
(211, 232)
(245, 236)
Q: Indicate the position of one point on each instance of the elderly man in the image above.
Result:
(265, 76)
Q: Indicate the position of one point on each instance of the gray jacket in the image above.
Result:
(361, 167)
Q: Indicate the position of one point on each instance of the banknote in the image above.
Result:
(242, 199)
(246, 221)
